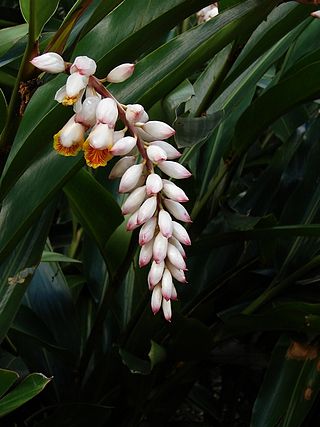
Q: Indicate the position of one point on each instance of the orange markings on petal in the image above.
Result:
(69, 100)
(95, 157)
(66, 151)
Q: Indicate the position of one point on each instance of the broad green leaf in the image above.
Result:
(3, 110)
(171, 103)
(6, 79)
(37, 13)
(9, 36)
(7, 379)
(48, 256)
(32, 385)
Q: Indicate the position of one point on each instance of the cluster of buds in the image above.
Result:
(207, 13)
(147, 163)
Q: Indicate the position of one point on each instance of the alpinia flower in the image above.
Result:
(207, 13)
(120, 73)
(157, 130)
(69, 140)
(98, 145)
(83, 65)
(171, 152)
(136, 113)
(50, 62)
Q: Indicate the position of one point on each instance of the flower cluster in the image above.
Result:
(207, 13)
(154, 202)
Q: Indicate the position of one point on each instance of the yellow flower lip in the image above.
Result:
(95, 157)
(69, 100)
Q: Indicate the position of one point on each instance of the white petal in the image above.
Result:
(131, 178)
(147, 231)
(172, 153)
(156, 153)
(176, 272)
(75, 83)
(101, 137)
(134, 200)
(71, 133)
(155, 274)
(180, 233)
(147, 209)
(50, 62)
(158, 130)
(136, 113)
(175, 242)
(121, 166)
(174, 192)
(145, 254)
(174, 295)
(120, 73)
(177, 210)
(174, 169)
(156, 299)
(83, 65)
(87, 113)
(166, 308)
(175, 257)
(107, 111)
(165, 223)
(166, 284)
(61, 94)
(154, 184)
(160, 248)
(123, 146)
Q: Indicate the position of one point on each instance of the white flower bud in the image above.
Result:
(316, 14)
(171, 152)
(166, 308)
(176, 272)
(147, 231)
(156, 299)
(177, 210)
(71, 133)
(156, 154)
(174, 192)
(130, 178)
(145, 254)
(165, 223)
(101, 137)
(158, 130)
(133, 222)
(75, 84)
(136, 113)
(160, 248)
(175, 242)
(144, 136)
(121, 166)
(180, 233)
(147, 209)
(166, 284)
(83, 65)
(175, 257)
(134, 200)
(107, 112)
(123, 146)
(87, 112)
(120, 73)
(154, 184)
(50, 62)
(174, 169)
(174, 295)
(155, 274)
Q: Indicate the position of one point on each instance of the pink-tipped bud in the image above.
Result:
(175, 242)
(121, 166)
(136, 113)
(123, 146)
(134, 200)
(166, 284)
(176, 272)
(50, 62)
(175, 257)
(158, 130)
(174, 295)
(180, 233)
(147, 231)
(120, 73)
(160, 248)
(154, 184)
(145, 254)
(177, 210)
(83, 65)
(107, 112)
(147, 209)
(171, 152)
(166, 308)
(132, 223)
(174, 169)
(316, 14)
(174, 192)
(165, 223)
(156, 299)
(155, 274)
(131, 178)
(156, 154)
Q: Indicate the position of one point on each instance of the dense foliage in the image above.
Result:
(79, 343)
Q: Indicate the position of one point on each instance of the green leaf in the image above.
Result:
(3, 110)
(9, 37)
(7, 379)
(31, 386)
(37, 13)
(183, 93)
(48, 256)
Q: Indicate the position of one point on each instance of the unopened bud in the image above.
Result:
(175, 257)
(121, 166)
(156, 154)
(145, 254)
(173, 192)
(134, 200)
(153, 184)
(147, 209)
(83, 65)
(50, 62)
(176, 272)
(160, 248)
(123, 146)
(174, 169)
(136, 113)
(165, 223)
(156, 299)
(177, 210)
(158, 130)
(155, 274)
(120, 73)
(166, 308)
(171, 152)
(180, 233)
(131, 178)
(107, 112)
(147, 231)
(132, 224)
(166, 284)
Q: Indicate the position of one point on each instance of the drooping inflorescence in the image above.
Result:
(147, 163)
